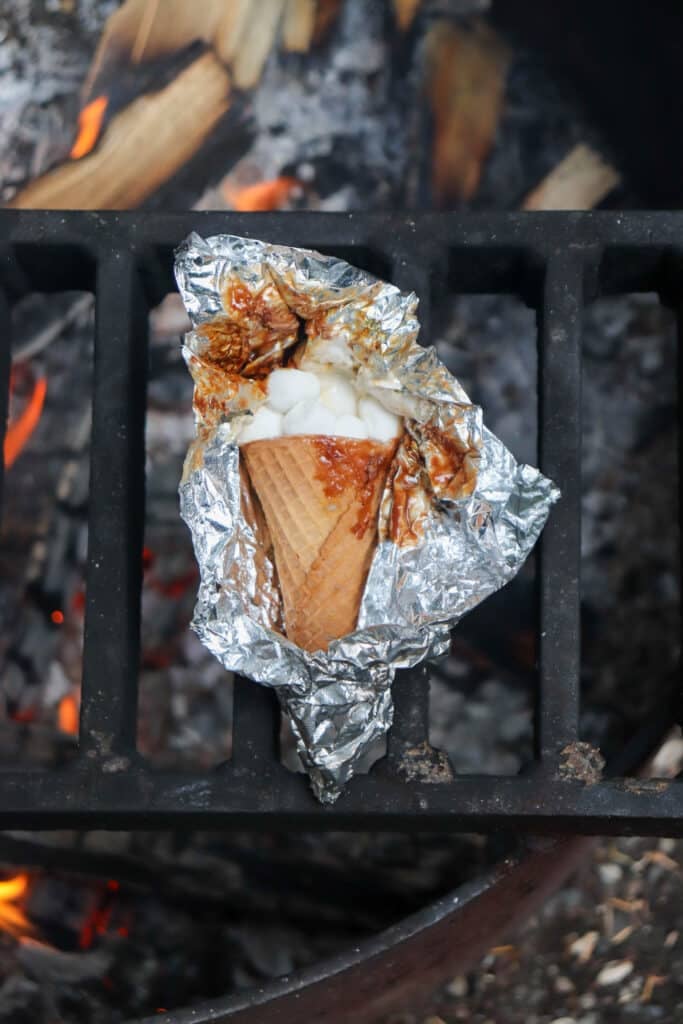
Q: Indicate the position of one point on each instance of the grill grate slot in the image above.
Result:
(545, 258)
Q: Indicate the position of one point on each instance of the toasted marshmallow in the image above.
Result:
(338, 393)
(309, 417)
(351, 426)
(381, 424)
(263, 424)
(287, 388)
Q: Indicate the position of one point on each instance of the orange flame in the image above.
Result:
(265, 195)
(12, 918)
(67, 714)
(20, 431)
(89, 126)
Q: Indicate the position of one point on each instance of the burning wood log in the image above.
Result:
(258, 40)
(326, 12)
(298, 25)
(405, 11)
(145, 30)
(241, 33)
(579, 182)
(144, 145)
(466, 71)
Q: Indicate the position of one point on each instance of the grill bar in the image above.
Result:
(142, 798)
(116, 511)
(411, 712)
(108, 787)
(560, 547)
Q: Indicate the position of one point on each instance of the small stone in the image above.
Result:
(563, 1020)
(563, 985)
(614, 972)
(631, 990)
(583, 946)
(610, 874)
(458, 986)
(587, 1001)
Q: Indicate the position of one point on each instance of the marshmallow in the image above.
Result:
(351, 426)
(382, 425)
(286, 388)
(309, 417)
(263, 424)
(328, 350)
(338, 393)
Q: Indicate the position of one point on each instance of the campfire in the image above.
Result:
(296, 105)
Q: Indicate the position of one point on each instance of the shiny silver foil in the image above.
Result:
(471, 541)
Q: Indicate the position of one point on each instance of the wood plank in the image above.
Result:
(579, 182)
(466, 72)
(257, 42)
(298, 25)
(142, 148)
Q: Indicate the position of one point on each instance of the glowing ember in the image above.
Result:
(68, 713)
(89, 126)
(99, 918)
(265, 195)
(21, 429)
(12, 917)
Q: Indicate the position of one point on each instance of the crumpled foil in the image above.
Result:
(470, 539)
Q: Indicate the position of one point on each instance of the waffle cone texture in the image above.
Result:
(320, 497)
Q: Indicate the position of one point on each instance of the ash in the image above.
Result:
(354, 90)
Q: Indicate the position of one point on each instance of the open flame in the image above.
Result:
(90, 122)
(68, 713)
(262, 196)
(12, 917)
(20, 430)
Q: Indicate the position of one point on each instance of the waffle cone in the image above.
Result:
(320, 498)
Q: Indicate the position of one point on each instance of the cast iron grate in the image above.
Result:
(555, 262)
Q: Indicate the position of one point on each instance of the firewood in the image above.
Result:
(297, 26)
(257, 42)
(240, 31)
(231, 29)
(326, 12)
(142, 30)
(405, 11)
(142, 148)
(466, 71)
(579, 182)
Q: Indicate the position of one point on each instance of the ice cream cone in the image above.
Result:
(320, 497)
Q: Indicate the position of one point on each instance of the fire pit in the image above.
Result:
(344, 906)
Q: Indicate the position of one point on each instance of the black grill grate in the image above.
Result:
(554, 262)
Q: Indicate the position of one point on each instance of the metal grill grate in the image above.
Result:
(553, 261)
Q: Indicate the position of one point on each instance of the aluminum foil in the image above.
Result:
(446, 541)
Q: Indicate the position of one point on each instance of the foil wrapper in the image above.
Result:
(447, 540)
